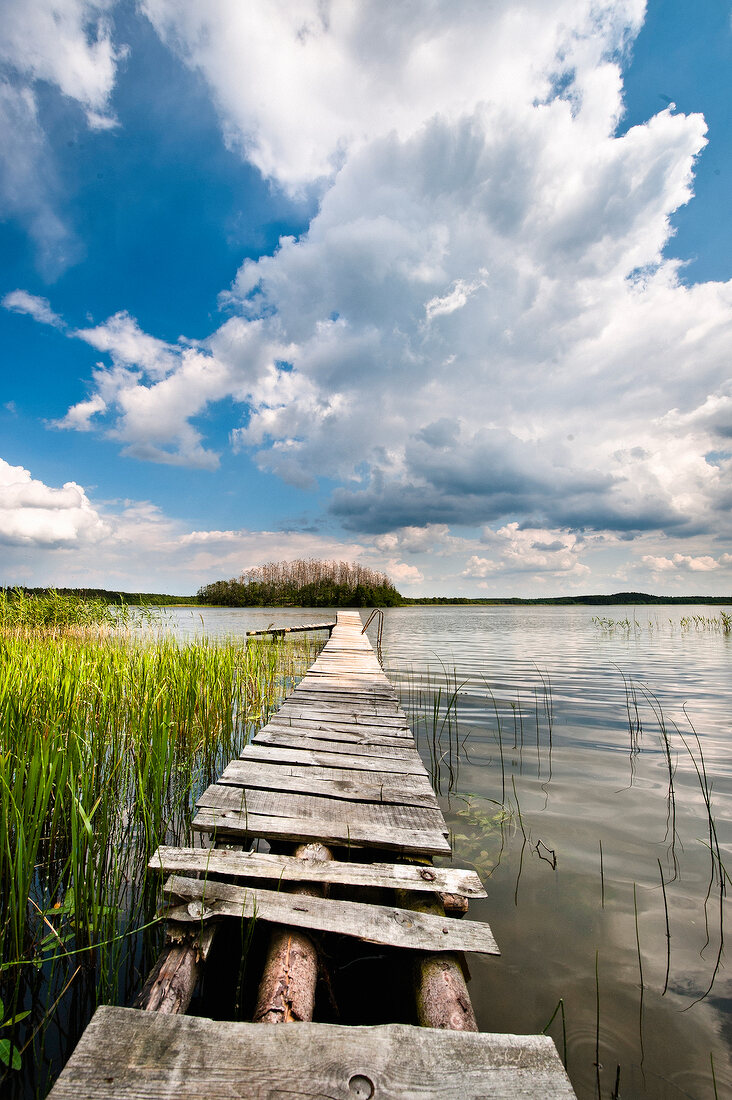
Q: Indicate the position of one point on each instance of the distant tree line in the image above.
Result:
(629, 598)
(132, 599)
(304, 583)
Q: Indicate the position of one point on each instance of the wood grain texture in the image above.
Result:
(342, 834)
(309, 806)
(282, 868)
(357, 733)
(296, 738)
(301, 754)
(130, 1055)
(194, 900)
(273, 777)
(315, 771)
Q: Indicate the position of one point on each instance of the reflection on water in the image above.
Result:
(577, 767)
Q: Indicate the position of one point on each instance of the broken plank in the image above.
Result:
(282, 868)
(382, 924)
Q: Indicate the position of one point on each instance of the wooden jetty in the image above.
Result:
(334, 784)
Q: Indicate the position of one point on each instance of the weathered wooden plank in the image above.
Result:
(341, 834)
(373, 735)
(263, 758)
(293, 804)
(196, 900)
(343, 720)
(282, 868)
(285, 738)
(129, 1055)
(301, 754)
(274, 777)
(336, 689)
(362, 689)
(326, 711)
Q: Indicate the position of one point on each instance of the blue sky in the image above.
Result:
(441, 287)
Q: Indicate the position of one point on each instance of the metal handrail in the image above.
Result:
(379, 631)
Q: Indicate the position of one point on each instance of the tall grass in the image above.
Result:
(106, 741)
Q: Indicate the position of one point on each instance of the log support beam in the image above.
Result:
(290, 977)
(441, 991)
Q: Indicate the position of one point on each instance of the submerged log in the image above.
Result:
(287, 987)
(441, 991)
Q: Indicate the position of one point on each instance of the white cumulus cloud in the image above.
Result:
(33, 514)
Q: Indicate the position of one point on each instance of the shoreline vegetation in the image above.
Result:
(108, 735)
(220, 594)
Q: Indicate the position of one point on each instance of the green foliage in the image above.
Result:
(103, 595)
(53, 609)
(687, 623)
(479, 825)
(106, 741)
(304, 584)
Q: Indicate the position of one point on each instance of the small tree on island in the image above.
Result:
(304, 583)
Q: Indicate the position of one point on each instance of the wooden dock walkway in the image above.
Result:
(335, 785)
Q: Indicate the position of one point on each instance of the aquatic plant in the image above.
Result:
(106, 740)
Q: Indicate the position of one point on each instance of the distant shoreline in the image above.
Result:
(638, 599)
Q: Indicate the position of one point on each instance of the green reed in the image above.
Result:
(721, 624)
(106, 740)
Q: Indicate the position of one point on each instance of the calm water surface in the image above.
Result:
(575, 764)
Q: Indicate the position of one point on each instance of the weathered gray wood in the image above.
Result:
(282, 868)
(347, 717)
(345, 702)
(301, 754)
(263, 759)
(308, 806)
(130, 1055)
(295, 739)
(342, 731)
(273, 777)
(338, 833)
(196, 900)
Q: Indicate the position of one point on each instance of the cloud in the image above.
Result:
(34, 515)
(455, 299)
(61, 536)
(403, 573)
(67, 44)
(480, 325)
(480, 567)
(301, 87)
(148, 394)
(20, 301)
(684, 562)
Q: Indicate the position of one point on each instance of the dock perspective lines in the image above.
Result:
(334, 784)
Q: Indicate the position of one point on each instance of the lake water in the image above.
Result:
(576, 763)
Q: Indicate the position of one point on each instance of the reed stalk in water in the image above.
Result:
(106, 741)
